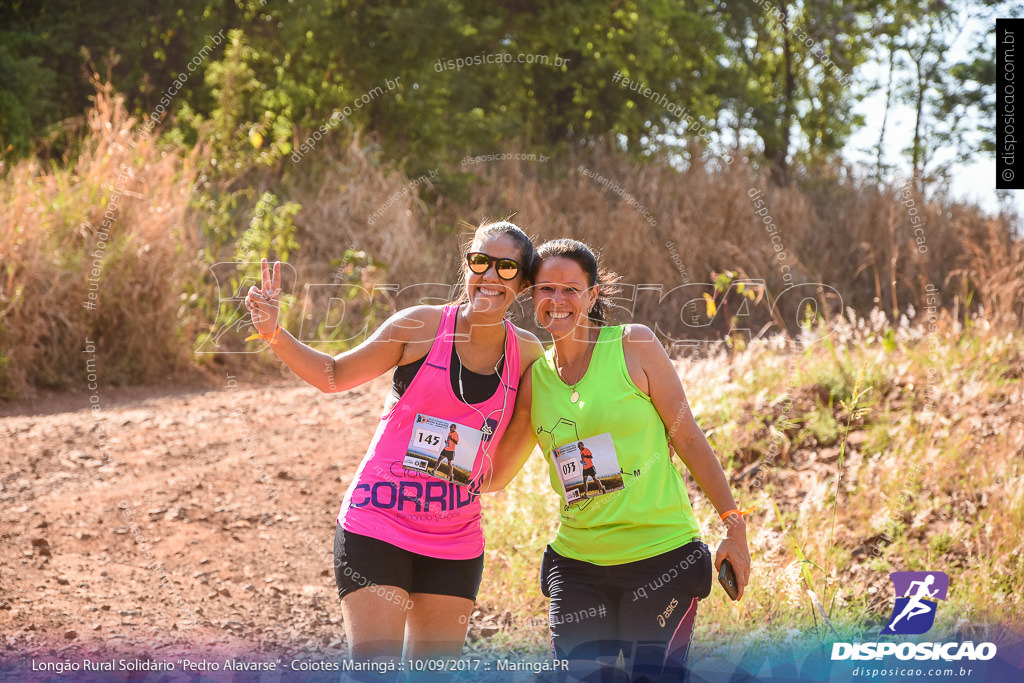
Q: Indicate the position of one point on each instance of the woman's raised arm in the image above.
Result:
(375, 356)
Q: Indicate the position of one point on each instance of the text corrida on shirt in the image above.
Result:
(411, 496)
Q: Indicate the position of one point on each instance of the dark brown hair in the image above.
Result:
(588, 261)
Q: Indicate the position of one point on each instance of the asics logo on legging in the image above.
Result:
(667, 613)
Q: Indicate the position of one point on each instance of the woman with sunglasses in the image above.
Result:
(408, 549)
(627, 565)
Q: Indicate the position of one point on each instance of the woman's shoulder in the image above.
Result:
(423, 312)
(640, 342)
(530, 348)
(636, 333)
(416, 323)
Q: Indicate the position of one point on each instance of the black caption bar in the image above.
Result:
(1009, 132)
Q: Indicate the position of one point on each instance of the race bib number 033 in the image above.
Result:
(588, 467)
(443, 449)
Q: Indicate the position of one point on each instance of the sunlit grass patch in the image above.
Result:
(931, 480)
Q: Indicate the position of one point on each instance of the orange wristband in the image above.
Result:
(737, 512)
(259, 335)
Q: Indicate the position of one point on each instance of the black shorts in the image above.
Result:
(361, 562)
(645, 609)
(590, 472)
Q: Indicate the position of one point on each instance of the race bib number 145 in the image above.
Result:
(443, 449)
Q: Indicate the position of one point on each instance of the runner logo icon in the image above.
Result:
(917, 596)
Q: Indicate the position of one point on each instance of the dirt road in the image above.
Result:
(166, 519)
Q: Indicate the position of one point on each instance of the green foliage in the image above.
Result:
(461, 103)
(776, 79)
(358, 269)
(810, 568)
(821, 426)
(889, 340)
(48, 49)
(271, 232)
(270, 235)
(880, 436)
(26, 91)
(941, 544)
(952, 100)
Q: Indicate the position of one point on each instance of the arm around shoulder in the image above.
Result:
(516, 443)
(530, 349)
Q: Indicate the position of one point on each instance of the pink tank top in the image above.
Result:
(403, 493)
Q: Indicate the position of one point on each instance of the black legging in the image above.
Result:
(646, 608)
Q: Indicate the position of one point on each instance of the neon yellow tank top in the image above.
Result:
(623, 499)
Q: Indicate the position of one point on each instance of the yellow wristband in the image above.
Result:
(259, 335)
(737, 512)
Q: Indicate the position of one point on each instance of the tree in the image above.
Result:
(47, 46)
(791, 70)
(466, 90)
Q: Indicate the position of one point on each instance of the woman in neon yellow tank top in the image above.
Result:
(627, 566)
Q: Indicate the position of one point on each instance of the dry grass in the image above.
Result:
(51, 222)
(341, 191)
(949, 403)
(847, 235)
(157, 293)
(994, 266)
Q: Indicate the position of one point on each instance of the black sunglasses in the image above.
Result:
(479, 262)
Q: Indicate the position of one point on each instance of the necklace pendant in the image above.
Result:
(574, 396)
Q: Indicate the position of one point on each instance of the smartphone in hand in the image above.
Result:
(727, 577)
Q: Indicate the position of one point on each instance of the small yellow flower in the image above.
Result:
(710, 305)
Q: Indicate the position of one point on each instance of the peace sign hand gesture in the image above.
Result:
(263, 302)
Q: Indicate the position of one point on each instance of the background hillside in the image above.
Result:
(692, 143)
(198, 521)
